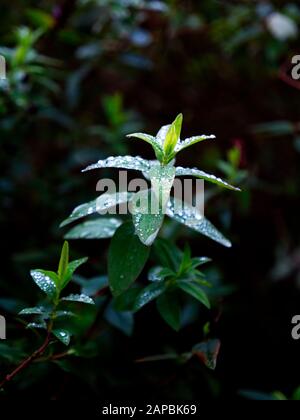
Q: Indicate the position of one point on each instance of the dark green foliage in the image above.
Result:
(80, 77)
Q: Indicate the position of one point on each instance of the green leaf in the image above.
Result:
(124, 321)
(125, 301)
(39, 325)
(147, 225)
(79, 298)
(63, 335)
(191, 141)
(64, 261)
(126, 258)
(197, 261)
(94, 229)
(203, 175)
(160, 274)
(44, 280)
(123, 162)
(167, 253)
(151, 140)
(186, 260)
(37, 310)
(195, 291)
(168, 306)
(100, 205)
(184, 213)
(149, 293)
(162, 178)
(172, 137)
(72, 267)
(296, 394)
(208, 352)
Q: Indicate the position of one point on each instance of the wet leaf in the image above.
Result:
(183, 144)
(147, 225)
(95, 229)
(100, 205)
(183, 213)
(37, 310)
(62, 335)
(149, 293)
(203, 175)
(44, 280)
(122, 162)
(79, 298)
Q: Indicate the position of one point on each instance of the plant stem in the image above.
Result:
(23, 365)
(27, 361)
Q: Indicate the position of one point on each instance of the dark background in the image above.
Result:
(122, 66)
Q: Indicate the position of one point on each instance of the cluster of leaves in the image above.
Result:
(53, 315)
(129, 249)
(31, 77)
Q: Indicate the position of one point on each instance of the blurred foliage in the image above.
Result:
(80, 75)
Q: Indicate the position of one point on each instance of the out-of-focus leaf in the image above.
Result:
(194, 290)
(168, 306)
(123, 320)
(208, 352)
(63, 335)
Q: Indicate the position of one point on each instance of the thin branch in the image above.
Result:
(27, 361)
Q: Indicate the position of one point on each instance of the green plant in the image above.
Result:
(130, 246)
(52, 315)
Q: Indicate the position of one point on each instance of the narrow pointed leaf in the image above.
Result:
(126, 258)
(64, 261)
(161, 135)
(203, 175)
(183, 213)
(122, 162)
(44, 280)
(197, 261)
(79, 298)
(94, 229)
(195, 291)
(99, 205)
(172, 136)
(37, 310)
(183, 144)
(62, 335)
(148, 294)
